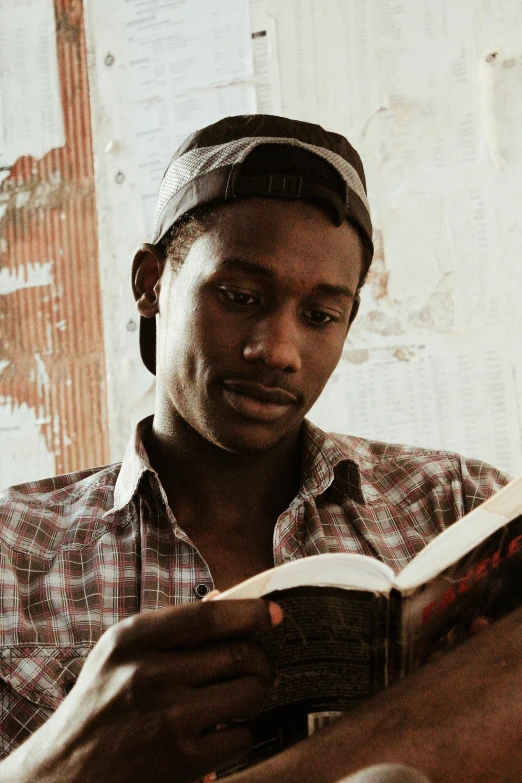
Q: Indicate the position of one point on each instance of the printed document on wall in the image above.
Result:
(188, 65)
(177, 46)
(31, 120)
(266, 59)
(159, 128)
(455, 393)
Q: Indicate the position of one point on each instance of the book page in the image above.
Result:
(343, 570)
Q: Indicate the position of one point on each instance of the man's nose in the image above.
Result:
(274, 340)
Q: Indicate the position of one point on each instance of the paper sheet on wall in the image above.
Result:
(177, 51)
(178, 45)
(311, 46)
(456, 393)
(437, 267)
(427, 169)
(266, 59)
(31, 120)
(160, 127)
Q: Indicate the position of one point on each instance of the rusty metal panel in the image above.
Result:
(51, 342)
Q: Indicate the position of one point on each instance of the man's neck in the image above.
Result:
(208, 486)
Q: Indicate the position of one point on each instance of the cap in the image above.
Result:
(259, 155)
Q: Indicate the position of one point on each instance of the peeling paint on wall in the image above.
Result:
(25, 276)
(28, 456)
(52, 371)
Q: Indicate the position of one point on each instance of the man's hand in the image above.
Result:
(156, 699)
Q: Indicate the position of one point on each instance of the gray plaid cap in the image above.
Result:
(207, 168)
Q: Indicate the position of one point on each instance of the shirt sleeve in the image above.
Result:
(479, 482)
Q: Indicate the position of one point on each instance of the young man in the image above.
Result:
(247, 293)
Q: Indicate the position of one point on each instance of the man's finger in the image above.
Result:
(194, 625)
(226, 661)
(154, 682)
(226, 702)
(211, 596)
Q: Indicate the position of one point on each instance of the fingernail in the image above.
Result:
(276, 613)
(210, 596)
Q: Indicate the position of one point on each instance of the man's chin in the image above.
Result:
(254, 440)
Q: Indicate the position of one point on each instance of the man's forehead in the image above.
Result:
(269, 240)
(257, 217)
(259, 222)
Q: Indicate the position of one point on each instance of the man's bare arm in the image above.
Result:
(457, 720)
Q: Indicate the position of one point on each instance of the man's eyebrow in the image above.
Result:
(251, 267)
(334, 290)
(242, 265)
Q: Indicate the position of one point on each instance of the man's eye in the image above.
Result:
(239, 297)
(319, 317)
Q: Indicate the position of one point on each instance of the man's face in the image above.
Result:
(253, 323)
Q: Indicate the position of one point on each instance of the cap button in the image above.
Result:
(201, 590)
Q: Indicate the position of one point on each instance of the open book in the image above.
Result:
(352, 626)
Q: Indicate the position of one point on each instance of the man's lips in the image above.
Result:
(262, 393)
(255, 401)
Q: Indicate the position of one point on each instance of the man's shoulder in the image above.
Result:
(371, 453)
(42, 510)
(62, 489)
(404, 471)
(375, 452)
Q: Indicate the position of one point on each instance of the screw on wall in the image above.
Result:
(109, 59)
(131, 325)
(119, 178)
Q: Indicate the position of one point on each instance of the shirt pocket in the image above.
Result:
(34, 680)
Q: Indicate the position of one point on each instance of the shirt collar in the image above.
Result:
(328, 465)
(134, 465)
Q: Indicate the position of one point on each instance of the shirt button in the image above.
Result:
(201, 590)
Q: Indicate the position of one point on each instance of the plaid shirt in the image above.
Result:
(82, 551)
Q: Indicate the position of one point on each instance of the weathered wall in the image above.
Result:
(52, 375)
(430, 92)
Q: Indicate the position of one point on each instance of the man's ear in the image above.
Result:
(147, 267)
